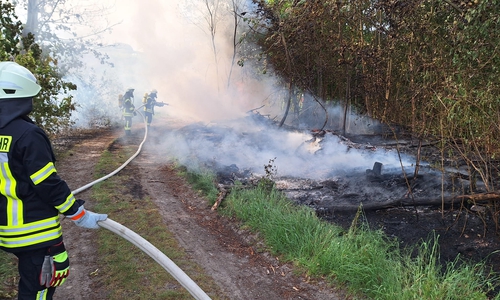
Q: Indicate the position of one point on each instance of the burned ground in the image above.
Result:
(231, 255)
(435, 207)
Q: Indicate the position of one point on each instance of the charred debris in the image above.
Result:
(375, 187)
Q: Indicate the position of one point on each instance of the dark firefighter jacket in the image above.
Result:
(128, 105)
(149, 103)
(31, 193)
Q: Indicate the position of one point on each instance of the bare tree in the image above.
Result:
(212, 20)
(214, 13)
(32, 20)
(66, 29)
(237, 17)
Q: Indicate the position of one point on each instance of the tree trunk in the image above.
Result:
(32, 20)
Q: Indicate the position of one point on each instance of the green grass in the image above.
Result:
(366, 261)
(9, 275)
(202, 181)
(126, 269)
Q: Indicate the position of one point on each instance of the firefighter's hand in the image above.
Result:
(61, 263)
(135, 113)
(87, 219)
(47, 272)
(55, 267)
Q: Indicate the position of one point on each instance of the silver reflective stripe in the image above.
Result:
(3, 157)
(31, 240)
(15, 208)
(39, 177)
(8, 183)
(67, 204)
(4, 231)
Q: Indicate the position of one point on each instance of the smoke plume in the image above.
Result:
(169, 46)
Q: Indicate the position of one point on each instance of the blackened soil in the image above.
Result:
(461, 233)
(464, 231)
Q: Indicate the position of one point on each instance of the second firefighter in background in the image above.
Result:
(149, 101)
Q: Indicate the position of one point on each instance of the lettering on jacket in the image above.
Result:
(5, 142)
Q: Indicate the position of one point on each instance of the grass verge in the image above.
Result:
(8, 275)
(367, 261)
(126, 269)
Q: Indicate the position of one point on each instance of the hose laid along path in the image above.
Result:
(142, 243)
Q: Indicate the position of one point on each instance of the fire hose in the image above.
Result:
(142, 243)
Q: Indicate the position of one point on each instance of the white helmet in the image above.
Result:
(154, 91)
(16, 81)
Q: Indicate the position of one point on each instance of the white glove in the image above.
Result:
(87, 219)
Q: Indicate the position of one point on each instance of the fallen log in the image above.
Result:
(483, 198)
(222, 194)
(224, 190)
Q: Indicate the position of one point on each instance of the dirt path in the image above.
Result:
(225, 252)
(77, 170)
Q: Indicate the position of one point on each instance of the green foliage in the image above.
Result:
(10, 27)
(52, 107)
(267, 182)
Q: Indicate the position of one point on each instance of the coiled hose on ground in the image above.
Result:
(141, 242)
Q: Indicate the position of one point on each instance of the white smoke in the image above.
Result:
(167, 45)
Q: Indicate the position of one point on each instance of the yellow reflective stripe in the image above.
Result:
(43, 173)
(8, 189)
(70, 200)
(25, 229)
(33, 239)
(8, 183)
(42, 295)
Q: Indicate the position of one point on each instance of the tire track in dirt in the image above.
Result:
(226, 253)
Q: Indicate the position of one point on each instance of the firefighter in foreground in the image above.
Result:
(128, 109)
(32, 195)
(149, 101)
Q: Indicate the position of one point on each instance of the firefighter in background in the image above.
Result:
(128, 110)
(32, 195)
(150, 102)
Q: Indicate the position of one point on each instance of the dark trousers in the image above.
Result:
(149, 117)
(30, 266)
(128, 124)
